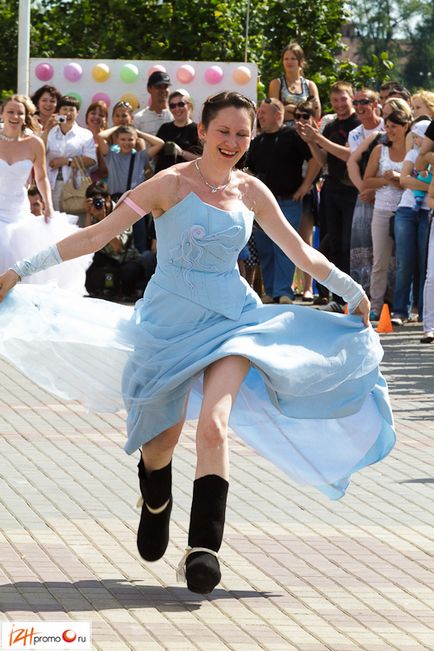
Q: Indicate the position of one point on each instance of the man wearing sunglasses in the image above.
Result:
(150, 118)
(276, 156)
(365, 102)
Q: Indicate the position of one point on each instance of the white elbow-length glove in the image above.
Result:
(343, 285)
(38, 262)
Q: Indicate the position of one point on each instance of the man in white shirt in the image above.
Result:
(66, 141)
(365, 102)
(151, 118)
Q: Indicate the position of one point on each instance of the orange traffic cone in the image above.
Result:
(385, 324)
(346, 309)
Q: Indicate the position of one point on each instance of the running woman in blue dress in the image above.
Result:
(301, 386)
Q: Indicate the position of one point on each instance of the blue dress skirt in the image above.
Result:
(313, 402)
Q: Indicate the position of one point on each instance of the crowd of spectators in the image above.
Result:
(358, 178)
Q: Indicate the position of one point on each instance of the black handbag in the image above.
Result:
(392, 226)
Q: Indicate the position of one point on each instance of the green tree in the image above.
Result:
(8, 69)
(386, 26)
(185, 29)
(419, 71)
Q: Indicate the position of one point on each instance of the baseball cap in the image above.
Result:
(420, 127)
(159, 78)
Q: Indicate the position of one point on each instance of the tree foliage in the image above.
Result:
(185, 30)
(419, 71)
(391, 26)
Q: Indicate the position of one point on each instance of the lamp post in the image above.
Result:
(246, 49)
(23, 46)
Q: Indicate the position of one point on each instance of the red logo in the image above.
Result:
(22, 635)
(68, 635)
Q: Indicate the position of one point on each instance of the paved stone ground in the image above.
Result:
(299, 572)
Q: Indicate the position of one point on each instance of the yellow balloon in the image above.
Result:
(101, 72)
(131, 99)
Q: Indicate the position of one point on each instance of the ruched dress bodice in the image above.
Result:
(198, 253)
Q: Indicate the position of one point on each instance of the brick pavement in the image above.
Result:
(299, 572)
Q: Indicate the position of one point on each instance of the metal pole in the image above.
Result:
(247, 31)
(23, 47)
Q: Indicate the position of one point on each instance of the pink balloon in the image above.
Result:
(213, 75)
(44, 71)
(156, 68)
(101, 97)
(73, 72)
(185, 73)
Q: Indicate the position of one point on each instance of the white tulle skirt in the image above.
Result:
(28, 235)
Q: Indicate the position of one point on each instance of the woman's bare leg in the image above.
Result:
(158, 452)
(222, 381)
(208, 508)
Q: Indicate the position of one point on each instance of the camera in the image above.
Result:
(60, 119)
(98, 202)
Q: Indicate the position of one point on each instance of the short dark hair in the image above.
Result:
(307, 106)
(397, 90)
(46, 88)
(33, 191)
(126, 128)
(398, 117)
(97, 189)
(68, 100)
(215, 103)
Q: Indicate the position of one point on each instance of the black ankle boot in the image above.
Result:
(207, 520)
(153, 532)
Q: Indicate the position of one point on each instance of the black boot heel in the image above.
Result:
(156, 503)
(200, 563)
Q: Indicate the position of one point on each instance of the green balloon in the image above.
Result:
(129, 73)
(76, 95)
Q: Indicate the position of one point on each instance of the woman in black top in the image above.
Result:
(180, 136)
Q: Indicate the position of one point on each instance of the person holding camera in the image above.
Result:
(66, 141)
(115, 270)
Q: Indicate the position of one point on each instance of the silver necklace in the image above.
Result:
(213, 188)
(3, 136)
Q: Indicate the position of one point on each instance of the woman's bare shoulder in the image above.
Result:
(255, 193)
(168, 186)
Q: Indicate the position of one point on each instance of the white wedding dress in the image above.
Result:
(22, 234)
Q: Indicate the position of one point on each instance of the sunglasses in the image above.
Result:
(174, 105)
(302, 116)
(126, 105)
(362, 102)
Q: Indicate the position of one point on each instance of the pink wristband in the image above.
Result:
(132, 204)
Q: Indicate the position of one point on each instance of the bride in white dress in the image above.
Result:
(21, 233)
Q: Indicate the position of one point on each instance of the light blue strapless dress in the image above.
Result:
(314, 401)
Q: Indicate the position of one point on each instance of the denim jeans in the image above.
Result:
(411, 243)
(428, 290)
(276, 268)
